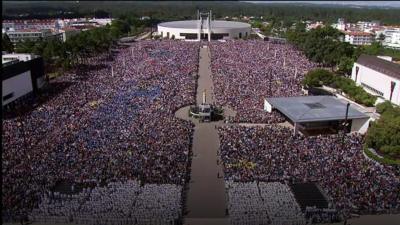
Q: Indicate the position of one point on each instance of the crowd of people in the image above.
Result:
(121, 203)
(262, 203)
(247, 71)
(111, 128)
(351, 181)
(113, 120)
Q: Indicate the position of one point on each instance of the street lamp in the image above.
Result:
(345, 123)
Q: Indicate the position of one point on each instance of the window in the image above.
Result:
(240, 35)
(372, 89)
(188, 35)
(217, 36)
(6, 97)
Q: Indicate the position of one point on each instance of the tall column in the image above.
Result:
(209, 26)
(296, 128)
(199, 25)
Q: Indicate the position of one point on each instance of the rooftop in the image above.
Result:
(26, 30)
(358, 33)
(193, 24)
(383, 66)
(314, 108)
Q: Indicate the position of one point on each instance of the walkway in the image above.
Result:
(206, 201)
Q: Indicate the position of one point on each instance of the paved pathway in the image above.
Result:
(206, 202)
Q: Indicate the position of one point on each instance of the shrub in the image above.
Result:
(384, 134)
(383, 107)
(317, 78)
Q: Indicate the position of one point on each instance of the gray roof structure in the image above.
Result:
(193, 24)
(314, 108)
(383, 66)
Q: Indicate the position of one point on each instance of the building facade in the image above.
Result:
(21, 78)
(392, 38)
(15, 25)
(204, 28)
(5, 58)
(28, 34)
(358, 38)
(378, 77)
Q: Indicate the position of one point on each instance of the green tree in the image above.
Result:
(345, 65)
(384, 106)
(317, 78)
(6, 44)
(321, 45)
(375, 48)
(384, 134)
(24, 46)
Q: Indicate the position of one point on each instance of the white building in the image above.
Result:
(364, 25)
(392, 38)
(204, 28)
(28, 34)
(358, 38)
(5, 58)
(341, 25)
(315, 25)
(102, 22)
(379, 77)
(21, 78)
(35, 24)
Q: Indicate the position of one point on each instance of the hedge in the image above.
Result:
(319, 77)
(384, 160)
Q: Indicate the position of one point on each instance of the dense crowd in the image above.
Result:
(113, 121)
(273, 153)
(246, 72)
(262, 203)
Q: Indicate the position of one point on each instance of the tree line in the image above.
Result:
(325, 46)
(76, 49)
(168, 10)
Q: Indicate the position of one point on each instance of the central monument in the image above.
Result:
(204, 19)
(205, 112)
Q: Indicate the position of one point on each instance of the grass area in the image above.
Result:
(384, 160)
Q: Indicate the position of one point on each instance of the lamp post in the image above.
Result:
(345, 123)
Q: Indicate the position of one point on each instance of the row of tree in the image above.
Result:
(187, 9)
(77, 48)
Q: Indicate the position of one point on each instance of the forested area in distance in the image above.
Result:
(185, 10)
